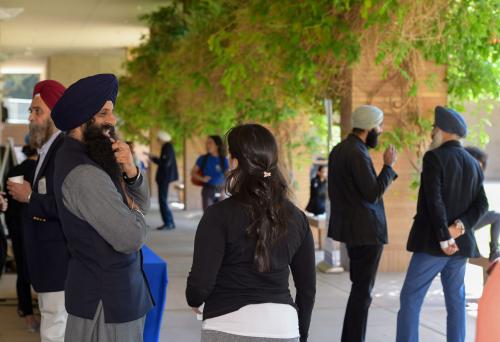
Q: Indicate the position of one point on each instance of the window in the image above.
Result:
(17, 94)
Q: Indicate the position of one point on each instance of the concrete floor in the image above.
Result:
(180, 324)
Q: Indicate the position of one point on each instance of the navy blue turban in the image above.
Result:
(84, 99)
(449, 121)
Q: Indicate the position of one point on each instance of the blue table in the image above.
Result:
(156, 271)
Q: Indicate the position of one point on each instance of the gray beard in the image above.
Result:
(437, 141)
(40, 134)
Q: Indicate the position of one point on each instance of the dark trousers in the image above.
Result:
(364, 262)
(491, 218)
(166, 213)
(23, 288)
(211, 194)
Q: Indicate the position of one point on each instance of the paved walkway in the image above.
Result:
(180, 324)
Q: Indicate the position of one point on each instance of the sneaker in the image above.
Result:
(170, 226)
(494, 253)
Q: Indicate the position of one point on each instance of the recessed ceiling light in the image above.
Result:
(9, 13)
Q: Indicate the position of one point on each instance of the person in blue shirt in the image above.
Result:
(210, 169)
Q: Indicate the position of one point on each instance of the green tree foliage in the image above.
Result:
(209, 64)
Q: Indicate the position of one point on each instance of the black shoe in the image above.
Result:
(161, 227)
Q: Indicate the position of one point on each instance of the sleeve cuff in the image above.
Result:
(447, 243)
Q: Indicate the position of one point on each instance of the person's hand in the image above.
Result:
(450, 250)
(3, 202)
(206, 179)
(125, 158)
(19, 192)
(197, 311)
(456, 231)
(390, 156)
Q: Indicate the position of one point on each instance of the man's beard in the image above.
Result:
(437, 140)
(99, 147)
(372, 138)
(41, 133)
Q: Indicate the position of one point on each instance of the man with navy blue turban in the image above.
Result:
(101, 198)
(450, 203)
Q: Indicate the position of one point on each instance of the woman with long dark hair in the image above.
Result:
(209, 171)
(245, 247)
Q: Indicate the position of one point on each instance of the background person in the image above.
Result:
(318, 192)
(165, 174)
(14, 218)
(245, 247)
(210, 169)
(491, 218)
(3, 238)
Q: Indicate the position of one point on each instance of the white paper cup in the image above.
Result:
(17, 179)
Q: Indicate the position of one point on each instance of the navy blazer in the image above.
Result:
(45, 246)
(451, 188)
(167, 165)
(357, 214)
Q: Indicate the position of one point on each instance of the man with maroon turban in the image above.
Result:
(45, 246)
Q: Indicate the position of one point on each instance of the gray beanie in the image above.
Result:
(367, 117)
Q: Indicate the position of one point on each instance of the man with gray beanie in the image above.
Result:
(450, 202)
(357, 211)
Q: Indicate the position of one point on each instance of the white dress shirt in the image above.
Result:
(42, 152)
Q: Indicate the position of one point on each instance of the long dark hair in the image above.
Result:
(221, 150)
(258, 183)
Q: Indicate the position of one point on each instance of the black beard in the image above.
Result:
(372, 138)
(99, 148)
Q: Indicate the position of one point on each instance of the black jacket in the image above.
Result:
(357, 214)
(45, 245)
(167, 165)
(451, 188)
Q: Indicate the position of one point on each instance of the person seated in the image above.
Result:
(491, 218)
(317, 201)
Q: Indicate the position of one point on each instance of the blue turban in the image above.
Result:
(450, 121)
(84, 99)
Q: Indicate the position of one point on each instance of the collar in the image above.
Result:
(452, 143)
(45, 148)
(357, 139)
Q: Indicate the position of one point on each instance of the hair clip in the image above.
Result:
(267, 174)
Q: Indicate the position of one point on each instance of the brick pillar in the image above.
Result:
(390, 94)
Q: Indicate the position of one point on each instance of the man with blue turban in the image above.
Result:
(451, 200)
(101, 198)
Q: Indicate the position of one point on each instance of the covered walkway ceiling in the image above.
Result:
(45, 27)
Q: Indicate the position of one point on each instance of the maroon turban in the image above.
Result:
(50, 92)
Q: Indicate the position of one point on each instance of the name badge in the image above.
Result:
(42, 186)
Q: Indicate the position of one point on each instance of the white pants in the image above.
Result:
(54, 316)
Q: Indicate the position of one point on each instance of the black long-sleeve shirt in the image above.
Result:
(223, 275)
